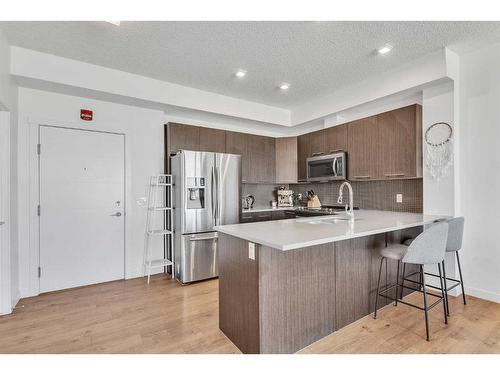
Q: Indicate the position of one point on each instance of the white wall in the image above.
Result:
(437, 106)
(143, 129)
(439, 196)
(9, 290)
(479, 169)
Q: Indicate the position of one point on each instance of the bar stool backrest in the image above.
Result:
(429, 247)
(455, 234)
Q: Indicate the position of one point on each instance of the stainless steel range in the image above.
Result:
(206, 193)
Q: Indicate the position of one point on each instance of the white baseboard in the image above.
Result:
(483, 294)
(5, 312)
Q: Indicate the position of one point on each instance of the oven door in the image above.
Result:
(326, 167)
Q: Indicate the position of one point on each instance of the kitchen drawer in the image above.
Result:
(279, 215)
(248, 217)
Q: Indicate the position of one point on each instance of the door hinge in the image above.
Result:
(39, 149)
(39, 272)
(38, 210)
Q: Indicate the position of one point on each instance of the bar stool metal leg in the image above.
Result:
(446, 290)
(461, 279)
(378, 287)
(422, 276)
(397, 284)
(443, 294)
(402, 281)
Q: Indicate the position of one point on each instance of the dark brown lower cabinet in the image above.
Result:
(248, 217)
(282, 301)
(357, 265)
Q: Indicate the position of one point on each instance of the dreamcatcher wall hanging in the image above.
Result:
(439, 149)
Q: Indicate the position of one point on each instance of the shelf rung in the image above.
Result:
(159, 232)
(160, 263)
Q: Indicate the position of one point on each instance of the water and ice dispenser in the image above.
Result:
(195, 192)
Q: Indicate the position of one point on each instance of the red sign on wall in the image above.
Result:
(86, 114)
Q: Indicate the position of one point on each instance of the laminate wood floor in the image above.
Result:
(164, 317)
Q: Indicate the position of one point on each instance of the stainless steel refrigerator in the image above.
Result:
(206, 193)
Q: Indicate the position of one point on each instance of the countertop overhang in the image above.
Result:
(302, 232)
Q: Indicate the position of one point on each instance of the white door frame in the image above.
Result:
(5, 261)
(34, 241)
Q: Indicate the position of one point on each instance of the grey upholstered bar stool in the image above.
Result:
(453, 245)
(428, 248)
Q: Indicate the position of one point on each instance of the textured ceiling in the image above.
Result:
(315, 57)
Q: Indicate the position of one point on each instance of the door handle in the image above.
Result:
(118, 214)
(2, 222)
(212, 195)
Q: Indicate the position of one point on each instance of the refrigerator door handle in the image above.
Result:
(212, 190)
(216, 217)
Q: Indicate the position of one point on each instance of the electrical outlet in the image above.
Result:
(399, 198)
(251, 250)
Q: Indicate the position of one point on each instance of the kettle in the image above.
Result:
(249, 200)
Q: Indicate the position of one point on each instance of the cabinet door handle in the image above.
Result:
(337, 150)
(394, 175)
(317, 153)
(362, 177)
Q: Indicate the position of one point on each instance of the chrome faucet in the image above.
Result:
(351, 199)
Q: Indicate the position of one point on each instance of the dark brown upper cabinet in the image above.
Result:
(286, 160)
(236, 143)
(260, 154)
(195, 138)
(364, 152)
(400, 134)
(310, 144)
(257, 156)
(213, 140)
(386, 146)
(182, 137)
(336, 139)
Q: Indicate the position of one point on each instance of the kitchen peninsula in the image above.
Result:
(286, 284)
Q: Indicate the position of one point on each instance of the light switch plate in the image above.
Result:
(399, 198)
(251, 250)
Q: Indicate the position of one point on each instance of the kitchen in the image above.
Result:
(292, 222)
(318, 160)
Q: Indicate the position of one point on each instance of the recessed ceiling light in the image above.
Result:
(284, 86)
(385, 49)
(240, 73)
(116, 23)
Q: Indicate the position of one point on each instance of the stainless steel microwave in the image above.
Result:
(327, 167)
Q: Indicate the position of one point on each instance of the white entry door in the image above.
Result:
(82, 221)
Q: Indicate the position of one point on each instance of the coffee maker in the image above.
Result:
(285, 197)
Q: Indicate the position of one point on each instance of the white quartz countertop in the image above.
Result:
(308, 231)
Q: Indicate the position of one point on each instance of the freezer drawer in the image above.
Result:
(196, 257)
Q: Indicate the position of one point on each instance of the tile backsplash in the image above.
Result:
(379, 195)
(263, 193)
